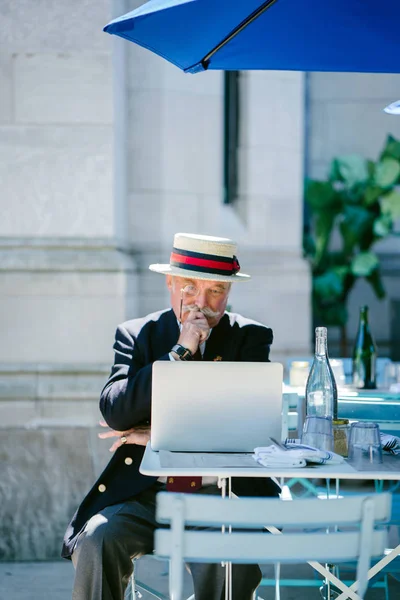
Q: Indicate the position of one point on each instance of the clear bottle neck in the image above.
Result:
(321, 341)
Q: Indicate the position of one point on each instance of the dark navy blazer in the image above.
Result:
(126, 400)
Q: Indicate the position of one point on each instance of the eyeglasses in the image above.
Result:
(192, 291)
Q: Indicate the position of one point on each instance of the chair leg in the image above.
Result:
(150, 591)
(132, 586)
(386, 579)
(277, 569)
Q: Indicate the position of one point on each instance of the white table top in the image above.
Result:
(151, 465)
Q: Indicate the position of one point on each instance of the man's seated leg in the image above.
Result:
(105, 548)
(209, 579)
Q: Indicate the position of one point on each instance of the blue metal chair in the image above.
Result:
(349, 530)
(137, 587)
(393, 567)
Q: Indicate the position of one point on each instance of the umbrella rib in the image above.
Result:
(254, 15)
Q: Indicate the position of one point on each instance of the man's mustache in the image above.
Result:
(207, 312)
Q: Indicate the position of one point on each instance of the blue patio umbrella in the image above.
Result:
(306, 35)
(393, 108)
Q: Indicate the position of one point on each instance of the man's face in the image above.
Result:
(210, 297)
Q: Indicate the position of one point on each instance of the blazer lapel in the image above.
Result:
(218, 346)
(166, 334)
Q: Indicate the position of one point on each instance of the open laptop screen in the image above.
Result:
(215, 406)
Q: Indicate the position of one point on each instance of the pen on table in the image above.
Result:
(279, 444)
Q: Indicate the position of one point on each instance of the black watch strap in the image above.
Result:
(182, 352)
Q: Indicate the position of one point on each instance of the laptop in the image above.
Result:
(215, 406)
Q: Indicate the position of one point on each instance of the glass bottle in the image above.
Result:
(321, 390)
(364, 354)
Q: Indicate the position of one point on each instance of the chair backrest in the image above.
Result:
(358, 515)
(293, 414)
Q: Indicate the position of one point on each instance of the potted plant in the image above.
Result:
(352, 210)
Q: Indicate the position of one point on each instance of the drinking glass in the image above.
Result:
(299, 370)
(391, 376)
(338, 371)
(364, 444)
(318, 432)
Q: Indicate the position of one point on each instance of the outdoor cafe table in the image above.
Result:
(389, 471)
(381, 406)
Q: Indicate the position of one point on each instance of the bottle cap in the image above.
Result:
(321, 330)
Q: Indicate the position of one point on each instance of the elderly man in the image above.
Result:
(116, 521)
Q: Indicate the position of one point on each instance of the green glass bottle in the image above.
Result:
(364, 354)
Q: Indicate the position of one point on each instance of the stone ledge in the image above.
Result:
(57, 242)
(53, 368)
(59, 254)
(40, 395)
(51, 424)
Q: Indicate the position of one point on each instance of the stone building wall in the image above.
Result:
(175, 184)
(64, 281)
(105, 152)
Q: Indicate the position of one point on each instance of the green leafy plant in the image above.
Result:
(353, 209)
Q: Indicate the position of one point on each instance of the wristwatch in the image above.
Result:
(182, 352)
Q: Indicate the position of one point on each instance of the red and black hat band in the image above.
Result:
(204, 263)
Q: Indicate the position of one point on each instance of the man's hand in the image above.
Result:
(195, 330)
(137, 435)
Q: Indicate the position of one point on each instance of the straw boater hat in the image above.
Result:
(203, 257)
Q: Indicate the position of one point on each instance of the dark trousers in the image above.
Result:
(103, 554)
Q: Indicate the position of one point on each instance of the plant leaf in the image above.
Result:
(351, 169)
(333, 314)
(371, 168)
(387, 172)
(320, 195)
(390, 204)
(364, 263)
(376, 283)
(329, 285)
(383, 226)
(371, 194)
(392, 148)
(323, 228)
(309, 245)
(356, 228)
